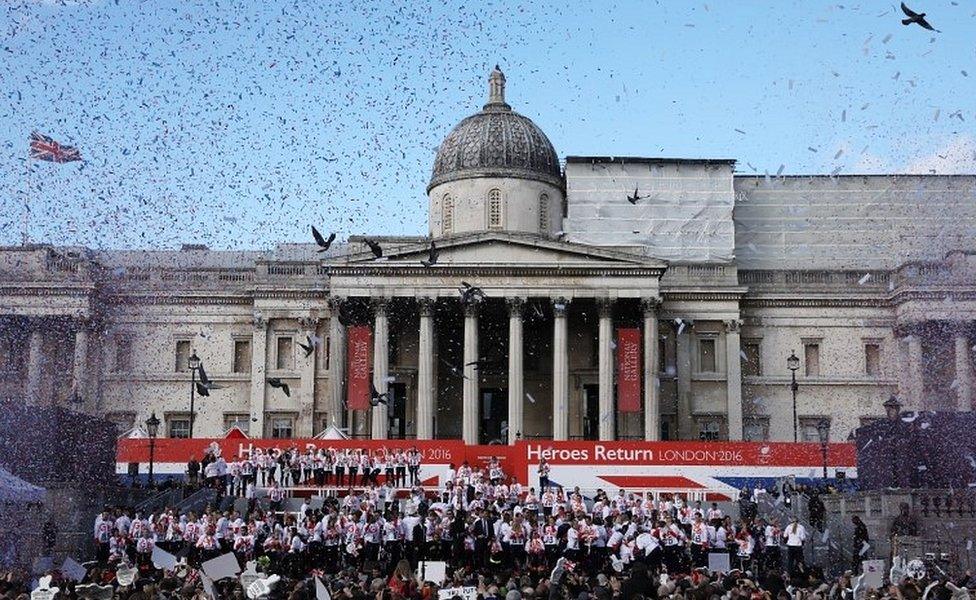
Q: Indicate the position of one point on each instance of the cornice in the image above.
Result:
(55, 289)
(195, 300)
(389, 270)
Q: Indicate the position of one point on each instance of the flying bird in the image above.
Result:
(375, 397)
(375, 247)
(206, 381)
(321, 241)
(471, 293)
(202, 390)
(432, 255)
(277, 383)
(310, 348)
(633, 199)
(454, 370)
(483, 364)
(917, 18)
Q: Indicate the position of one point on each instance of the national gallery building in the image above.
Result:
(611, 298)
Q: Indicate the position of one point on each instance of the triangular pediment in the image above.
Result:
(510, 249)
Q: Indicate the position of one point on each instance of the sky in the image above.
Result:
(239, 124)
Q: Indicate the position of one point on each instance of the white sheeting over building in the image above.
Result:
(684, 214)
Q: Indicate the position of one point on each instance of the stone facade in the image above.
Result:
(871, 281)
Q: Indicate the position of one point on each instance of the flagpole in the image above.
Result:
(25, 238)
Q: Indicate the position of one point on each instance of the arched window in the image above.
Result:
(544, 214)
(495, 209)
(447, 215)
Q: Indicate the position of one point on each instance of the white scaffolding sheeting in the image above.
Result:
(684, 213)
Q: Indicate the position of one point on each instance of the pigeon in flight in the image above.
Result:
(918, 19)
(471, 293)
(309, 348)
(321, 241)
(454, 370)
(206, 381)
(375, 247)
(277, 383)
(432, 255)
(202, 390)
(375, 397)
(633, 199)
(483, 364)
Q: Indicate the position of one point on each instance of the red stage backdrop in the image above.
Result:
(359, 365)
(628, 370)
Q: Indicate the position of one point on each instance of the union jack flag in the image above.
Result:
(44, 148)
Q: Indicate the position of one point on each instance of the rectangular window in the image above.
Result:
(662, 357)
(242, 356)
(809, 431)
(123, 355)
(241, 421)
(706, 356)
(285, 359)
(328, 353)
(710, 428)
(751, 364)
(756, 429)
(811, 354)
(182, 355)
(872, 359)
(178, 426)
(281, 427)
(12, 355)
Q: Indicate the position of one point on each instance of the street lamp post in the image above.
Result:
(792, 363)
(194, 364)
(152, 428)
(823, 430)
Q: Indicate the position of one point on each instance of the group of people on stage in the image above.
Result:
(319, 467)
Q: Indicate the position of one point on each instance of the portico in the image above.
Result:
(527, 280)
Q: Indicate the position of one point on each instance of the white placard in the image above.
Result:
(718, 562)
(250, 574)
(432, 570)
(44, 591)
(321, 592)
(162, 559)
(874, 572)
(125, 575)
(73, 570)
(466, 593)
(225, 565)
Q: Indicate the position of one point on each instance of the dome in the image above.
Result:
(496, 142)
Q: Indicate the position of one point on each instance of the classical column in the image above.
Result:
(306, 396)
(560, 370)
(259, 363)
(381, 366)
(964, 371)
(608, 416)
(733, 379)
(35, 364)
(469, 399)
(425, 371)
(916, 384)
(516, 383)
(337, 362)
(80, 363)
(652, 387)
(683, 367)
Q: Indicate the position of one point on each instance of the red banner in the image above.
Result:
(628, 370)
(359, 367)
